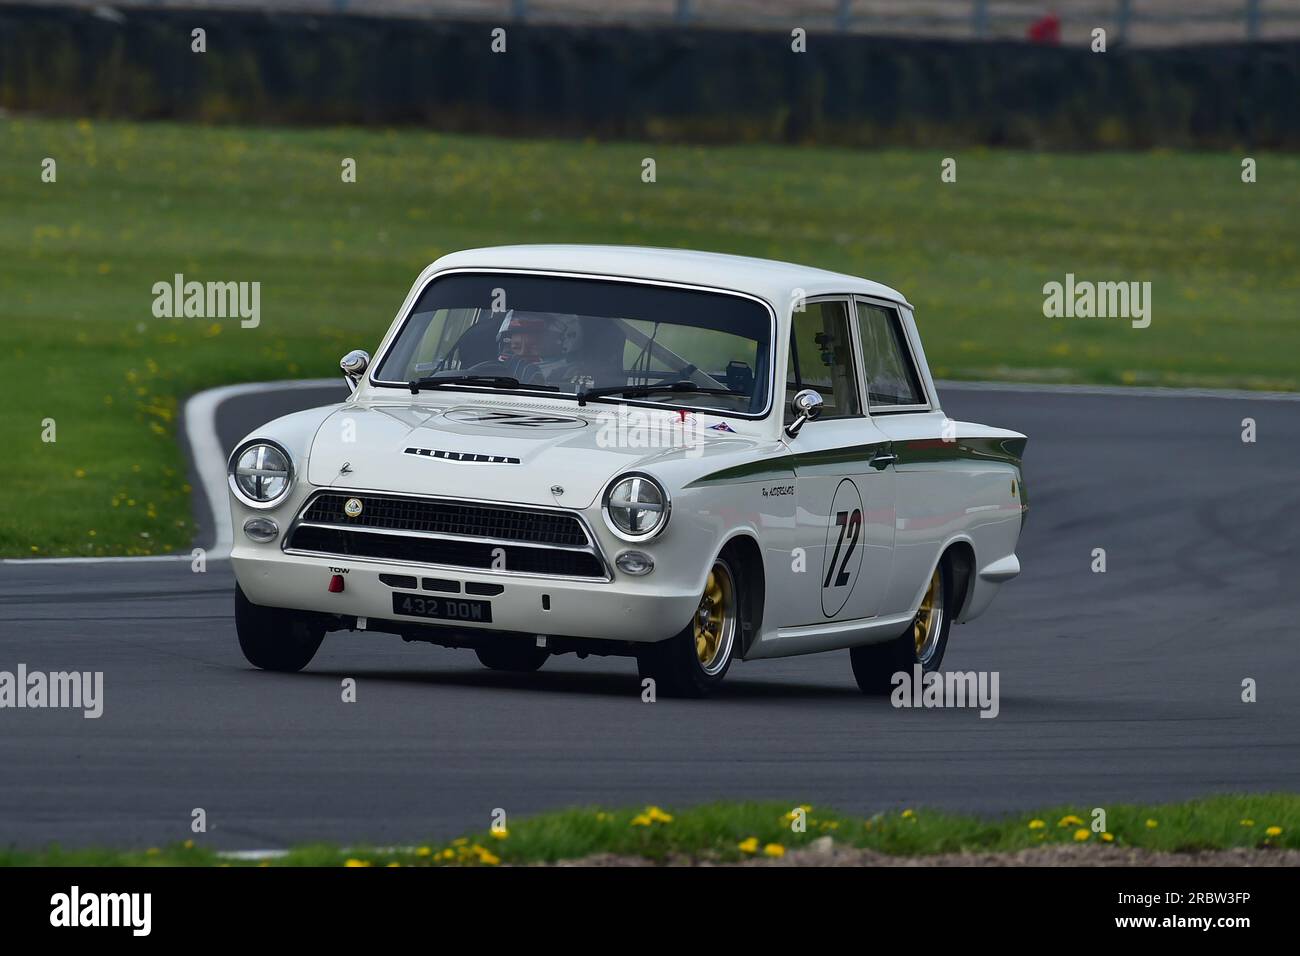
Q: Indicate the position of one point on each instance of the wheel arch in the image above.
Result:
(743, 548)
(960, 554)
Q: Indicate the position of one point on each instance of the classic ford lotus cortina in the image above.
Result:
(683, 457)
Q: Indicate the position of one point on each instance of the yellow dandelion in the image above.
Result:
(658, 816)
(489, 858)
(423, 851)
(774, 850)
(1080, 835)
(500, 834)
(908, 814)
(1107, 837)
(641, 820)
(748, 846)
(1152, 824)
(355, 862)
(189, 844)
(1036, 824)
(1069, 821)
(394, 863)
(1273, 831)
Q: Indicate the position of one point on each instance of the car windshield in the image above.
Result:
(667, 345)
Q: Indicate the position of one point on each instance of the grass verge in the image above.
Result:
(730, 832)
(134, 204)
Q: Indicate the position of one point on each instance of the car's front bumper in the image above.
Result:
(624, 609)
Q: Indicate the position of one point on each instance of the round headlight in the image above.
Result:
(636, 507)
(261, 473)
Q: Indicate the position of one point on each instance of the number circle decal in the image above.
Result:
(842, 557)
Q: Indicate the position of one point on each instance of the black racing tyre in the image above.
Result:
(693, 662)
(924, 641)
(275, 639)
(512, 656)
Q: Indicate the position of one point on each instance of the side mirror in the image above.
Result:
(354, 365)
(807, 407)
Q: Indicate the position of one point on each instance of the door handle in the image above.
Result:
(883, 460)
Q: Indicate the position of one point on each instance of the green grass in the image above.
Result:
(135, 204)
(735, 831)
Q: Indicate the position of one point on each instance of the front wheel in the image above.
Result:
(275, 639)
(693, 663)
(924, 641)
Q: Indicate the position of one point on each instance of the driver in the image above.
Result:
(544, 343)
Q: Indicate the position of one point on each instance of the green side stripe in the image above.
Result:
(909, 452)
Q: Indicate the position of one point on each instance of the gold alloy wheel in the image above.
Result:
(929, 619)
(715, 620)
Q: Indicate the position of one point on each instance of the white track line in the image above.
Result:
(1120, 391)
(253, 856)
(210, 459)
(209, 462)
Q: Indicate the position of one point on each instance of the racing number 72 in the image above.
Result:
(852, 525)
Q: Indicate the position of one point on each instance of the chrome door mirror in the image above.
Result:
(354, 365)
(807, 406)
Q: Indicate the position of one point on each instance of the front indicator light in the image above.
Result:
(261, 530)
(635, 563)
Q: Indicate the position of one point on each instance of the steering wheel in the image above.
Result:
(526, 372)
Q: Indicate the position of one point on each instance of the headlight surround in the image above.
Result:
(260, 473)
(636, 507)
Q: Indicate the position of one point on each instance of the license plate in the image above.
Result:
(443, 608)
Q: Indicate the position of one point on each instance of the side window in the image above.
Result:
(886, 359)
(821, 358)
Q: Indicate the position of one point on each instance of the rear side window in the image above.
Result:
(892, 380)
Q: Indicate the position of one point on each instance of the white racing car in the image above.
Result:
(684, 457)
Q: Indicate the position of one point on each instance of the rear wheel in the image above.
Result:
(693, 663)
(518, 657)
(275, 639)
(924, 641)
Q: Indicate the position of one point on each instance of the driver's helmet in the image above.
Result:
(540, 337)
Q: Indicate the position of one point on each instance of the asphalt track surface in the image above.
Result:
(1119, 686)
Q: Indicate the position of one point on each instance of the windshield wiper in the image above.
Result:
(495, 381)
(640, 391)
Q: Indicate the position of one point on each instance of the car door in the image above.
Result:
(903, 409)
(844, 486)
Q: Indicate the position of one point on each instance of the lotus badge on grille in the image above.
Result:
(352, 507)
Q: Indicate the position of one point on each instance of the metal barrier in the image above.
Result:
(1138, 22)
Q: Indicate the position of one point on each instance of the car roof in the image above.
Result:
(766, 278)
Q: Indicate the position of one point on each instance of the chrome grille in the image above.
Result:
(434, 517)
(437, 531)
